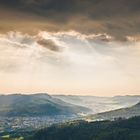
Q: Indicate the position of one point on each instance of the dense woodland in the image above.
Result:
(120, 129)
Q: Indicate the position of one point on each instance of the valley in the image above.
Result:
(23, 115)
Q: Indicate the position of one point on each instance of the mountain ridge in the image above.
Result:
(118, 113)
(36, 105)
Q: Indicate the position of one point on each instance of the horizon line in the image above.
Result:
(37, 93)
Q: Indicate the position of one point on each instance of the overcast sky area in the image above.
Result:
(72, 47)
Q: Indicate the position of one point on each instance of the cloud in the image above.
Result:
(49, 44)
(118, 18)
(63, 48)
(68, 60)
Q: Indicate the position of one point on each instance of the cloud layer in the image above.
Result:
(68, 62)
(117, 18)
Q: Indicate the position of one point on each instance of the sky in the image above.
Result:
(77, 47)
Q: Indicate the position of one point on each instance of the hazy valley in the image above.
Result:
(24, 114)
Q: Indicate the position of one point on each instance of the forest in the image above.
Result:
(119, 129)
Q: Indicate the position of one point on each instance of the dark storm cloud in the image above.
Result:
(118, 18)
(49, 44)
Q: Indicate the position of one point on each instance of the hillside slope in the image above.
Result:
(123, 113)
(36, 105)
(103, 130)
(100, 104)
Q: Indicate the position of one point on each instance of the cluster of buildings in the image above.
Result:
(11, 124)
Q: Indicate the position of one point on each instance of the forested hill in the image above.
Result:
(123, 113)
(120, 129)
(18, 105)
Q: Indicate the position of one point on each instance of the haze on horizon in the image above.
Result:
(77, 47)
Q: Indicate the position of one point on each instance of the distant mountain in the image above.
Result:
(46, 105)
(100, 104)
(128, 100)
(36, 105)
(123, 113)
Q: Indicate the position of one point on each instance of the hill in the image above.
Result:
(36, 105)
(123, 112)
(128, 129)
(100, 104)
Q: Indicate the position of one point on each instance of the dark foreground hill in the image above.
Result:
(128, 129)
(36, 105)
